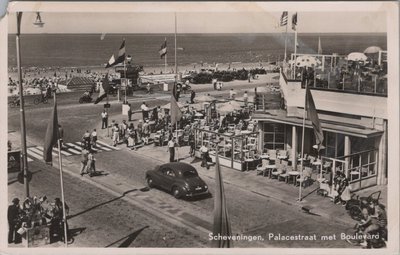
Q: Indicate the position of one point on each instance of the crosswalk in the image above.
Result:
(69, 149)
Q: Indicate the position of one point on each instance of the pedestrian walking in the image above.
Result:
(232, 94)
(104, 119)
(139, 129)
(191, 144)
(91, 165)
(124, 127)
(192, 96)
(245, 98)
(115, 136)
(205, 157)
(93, 137)
(13, 215)
(146, 131)
(60, 135)
(145, 111)
(84, 161)
(130, 112)
(57, 221)
(86, 140)
(171, 149)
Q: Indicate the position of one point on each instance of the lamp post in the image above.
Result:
(21, 99)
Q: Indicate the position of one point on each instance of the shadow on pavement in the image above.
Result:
(101, 204)
(16, 180)
(129, 238)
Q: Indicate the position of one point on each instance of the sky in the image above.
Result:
(201, 22)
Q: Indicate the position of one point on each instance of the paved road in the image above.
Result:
(250, 213)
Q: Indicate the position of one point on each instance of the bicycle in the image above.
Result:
(13, 102)
(42, 99)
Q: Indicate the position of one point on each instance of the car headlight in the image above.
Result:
(205, 186)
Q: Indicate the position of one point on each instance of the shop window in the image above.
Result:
(274, 136)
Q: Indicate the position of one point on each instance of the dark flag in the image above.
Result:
(163, 50)
(313, 116)
(120, 58)
(51, 135)
(294, 21)
(222, 226)
(176, 113)
(175, 92)
(105, 86)
(284, 19)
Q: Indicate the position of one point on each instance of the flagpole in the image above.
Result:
(62, 182)
(176, 64)
(125, 78)
(286, 40)
(302, 143)
(165, 60)
(295, 53)
(177, 141)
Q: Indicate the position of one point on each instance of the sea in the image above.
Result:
(82, 50)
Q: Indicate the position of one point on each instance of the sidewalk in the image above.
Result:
(263, 186)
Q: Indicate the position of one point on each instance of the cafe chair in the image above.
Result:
(276, 172)
(272, 154)
(305, 179)
(262, 168)
(283, 154)
(284, 175)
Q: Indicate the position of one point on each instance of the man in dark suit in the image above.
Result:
(13, 215)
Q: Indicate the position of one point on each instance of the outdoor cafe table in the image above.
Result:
(294, 175)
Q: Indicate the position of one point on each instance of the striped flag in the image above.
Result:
(105, 86)
(313, 116)
(120, 58)
(163, 50)
(51, 135)
(284, 19)
(294, 21)
(222, 226)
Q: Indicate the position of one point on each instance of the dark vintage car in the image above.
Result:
(181, 179)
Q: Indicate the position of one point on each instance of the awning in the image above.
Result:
(345, 128)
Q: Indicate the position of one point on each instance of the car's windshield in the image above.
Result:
(188, 174)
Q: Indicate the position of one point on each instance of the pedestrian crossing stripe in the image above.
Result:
(69, 149)
(106, 145)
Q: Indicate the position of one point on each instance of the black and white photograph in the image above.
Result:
(200, 125)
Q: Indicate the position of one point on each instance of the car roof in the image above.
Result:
(180, 166)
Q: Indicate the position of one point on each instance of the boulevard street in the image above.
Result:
(116, 209)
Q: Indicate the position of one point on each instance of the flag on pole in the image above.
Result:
(222, 226)
(313, 116)
(176, 113)
(294, 21)
(319, 46)
(120, 58)
(163, 50)
(105, 86)
(51, 135)
(284, 19)
(175, 92)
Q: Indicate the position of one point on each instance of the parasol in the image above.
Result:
(372, 50)
(307, 61)
(357, 56)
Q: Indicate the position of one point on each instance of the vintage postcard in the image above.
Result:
(183, 127)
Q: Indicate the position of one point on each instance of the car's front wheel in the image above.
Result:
(150, 183)
(176, 192)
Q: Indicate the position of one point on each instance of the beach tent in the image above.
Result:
(204, 98)
(357, 56)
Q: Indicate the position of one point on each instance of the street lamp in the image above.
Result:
(21, 99)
